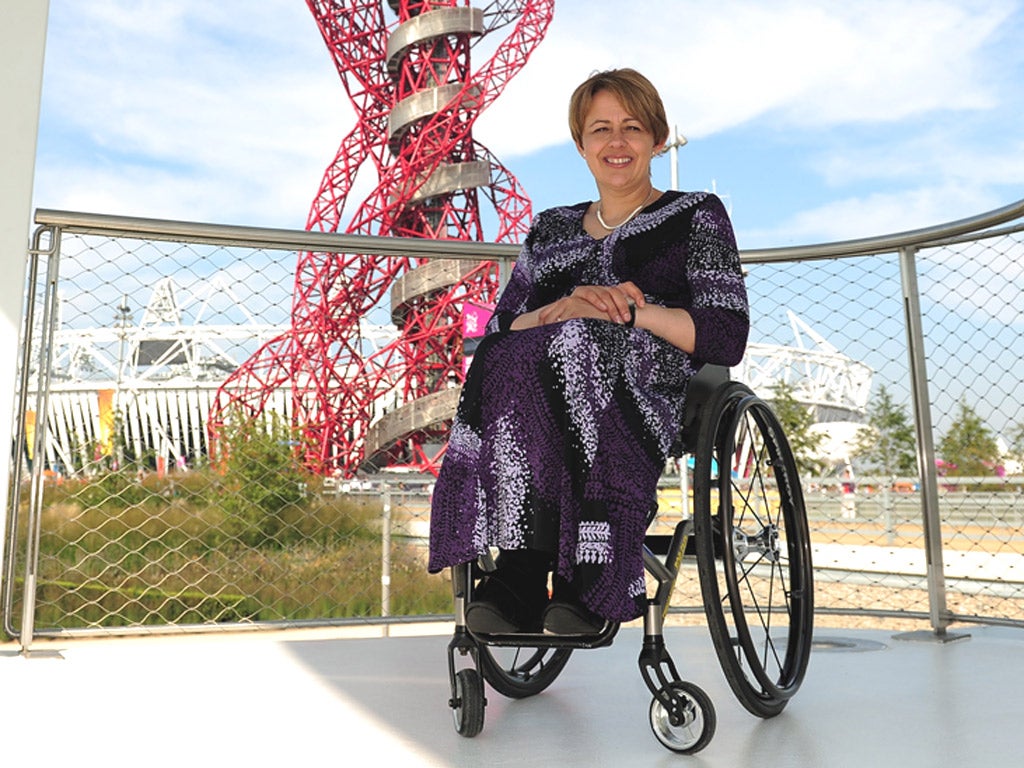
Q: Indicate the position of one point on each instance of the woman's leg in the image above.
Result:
(512, 598)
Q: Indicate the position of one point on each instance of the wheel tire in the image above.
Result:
(468, 704)
(696, 720)
(753, 550)
(519, 672)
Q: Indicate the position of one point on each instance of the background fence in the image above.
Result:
(119, 522)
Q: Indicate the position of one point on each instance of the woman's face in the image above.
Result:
(616, 146)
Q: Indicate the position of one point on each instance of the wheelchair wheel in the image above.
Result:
(753, 550)
(519, 672)
(689, 725)
(468, 704)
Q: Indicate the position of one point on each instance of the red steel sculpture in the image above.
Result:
(416, 98)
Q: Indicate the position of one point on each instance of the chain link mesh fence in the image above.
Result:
(867, 524)
(138, 529)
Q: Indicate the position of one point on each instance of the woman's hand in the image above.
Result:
(602, 302)
(612, 300)
(567, 308)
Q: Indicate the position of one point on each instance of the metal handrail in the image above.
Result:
(276, 239)
(290, 239)
(870, 246)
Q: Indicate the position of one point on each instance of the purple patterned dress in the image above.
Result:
(562, 431)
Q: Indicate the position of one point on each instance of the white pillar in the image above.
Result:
(22, 43)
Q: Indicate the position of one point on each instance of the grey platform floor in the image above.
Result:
(334, 698)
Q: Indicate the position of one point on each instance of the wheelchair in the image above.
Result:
(748, 536)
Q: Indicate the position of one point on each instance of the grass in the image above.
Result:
(120, 551)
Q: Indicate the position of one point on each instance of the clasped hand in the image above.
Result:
(606, 302)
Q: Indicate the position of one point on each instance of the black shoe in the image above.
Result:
(487, 618)
(565, 618)
(511, 598)
(566, 615)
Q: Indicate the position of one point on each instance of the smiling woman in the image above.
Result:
(575, 395)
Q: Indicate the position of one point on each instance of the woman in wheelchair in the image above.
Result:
(576, 393)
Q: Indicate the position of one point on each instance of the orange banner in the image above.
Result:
(105, 438)
(30, 433)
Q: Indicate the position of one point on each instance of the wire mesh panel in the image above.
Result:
(973, 316)
(144, 523)
(859, 454)
(142, 520)
(854, 306)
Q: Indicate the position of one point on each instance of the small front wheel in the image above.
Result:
(468, 703)
(689, 724)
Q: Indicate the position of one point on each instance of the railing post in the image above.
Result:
(505, 265)
(46, 336)
(21, 408)
(938, 613)
(385, 557)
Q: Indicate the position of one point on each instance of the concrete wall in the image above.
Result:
(22, 43)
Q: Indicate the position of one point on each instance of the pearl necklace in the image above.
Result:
(600, 218)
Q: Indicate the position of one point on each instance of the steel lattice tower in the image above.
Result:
(416, 98)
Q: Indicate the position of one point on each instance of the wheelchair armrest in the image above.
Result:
(698, 392)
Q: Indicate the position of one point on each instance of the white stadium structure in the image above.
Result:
(162, 373)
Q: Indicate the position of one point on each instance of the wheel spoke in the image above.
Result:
(758, 595)
(521, 671)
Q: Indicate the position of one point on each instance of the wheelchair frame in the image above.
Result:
(749, 535)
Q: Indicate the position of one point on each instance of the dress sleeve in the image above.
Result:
(720, 313)
(515, 297)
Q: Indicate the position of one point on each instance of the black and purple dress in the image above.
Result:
(563, 430)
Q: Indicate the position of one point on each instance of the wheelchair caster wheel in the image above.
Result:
(468, 703)
(689, 725)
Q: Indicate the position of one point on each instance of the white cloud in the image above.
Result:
(723, 64)
(231, 112)
(174, 110)
(877, 214)
(938, 153)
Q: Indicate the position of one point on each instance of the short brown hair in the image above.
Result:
(636, 93)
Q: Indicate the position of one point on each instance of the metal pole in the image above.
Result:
(684, 487)
(21, 413)
(385, 557)
(39, 450)
(890, 524)
(677, 141)
(938, 612)
(124, 314)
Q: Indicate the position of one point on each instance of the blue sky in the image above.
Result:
(815, 120)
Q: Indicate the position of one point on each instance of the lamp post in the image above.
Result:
(677, 141)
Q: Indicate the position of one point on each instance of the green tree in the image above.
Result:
(1017, 441)
(887, 443)
(969, 447)
(796, 420)
(263, 479)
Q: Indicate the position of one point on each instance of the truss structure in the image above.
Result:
(833, 385)
(161, 376)
(416, 96)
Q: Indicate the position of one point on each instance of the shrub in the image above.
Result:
(263, 481)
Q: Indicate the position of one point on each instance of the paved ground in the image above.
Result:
(350, 698)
